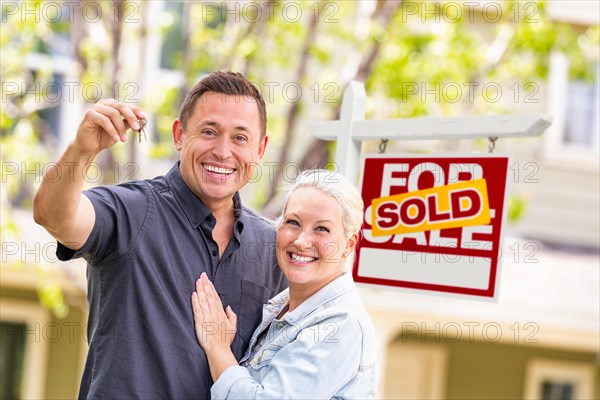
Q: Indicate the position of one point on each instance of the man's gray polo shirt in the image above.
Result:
(150, 242)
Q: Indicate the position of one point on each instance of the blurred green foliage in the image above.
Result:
(517, 205)
(417, 49)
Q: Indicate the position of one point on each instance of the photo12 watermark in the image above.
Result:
(457, 11)
(68, 332)
(470, 332)
(289, 12)
(469, 92)
(57, 92)
(69, 11)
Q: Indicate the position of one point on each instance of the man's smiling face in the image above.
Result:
(220, 145)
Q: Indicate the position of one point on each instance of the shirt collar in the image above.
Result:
(239, 216)
(193, 207)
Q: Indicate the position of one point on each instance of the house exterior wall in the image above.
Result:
(54, 347)
(485, 370)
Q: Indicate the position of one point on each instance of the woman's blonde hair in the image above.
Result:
(336, 185)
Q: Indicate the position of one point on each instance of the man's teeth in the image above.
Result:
(298, 258)
(218, 170)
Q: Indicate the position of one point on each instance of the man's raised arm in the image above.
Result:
(59, 205)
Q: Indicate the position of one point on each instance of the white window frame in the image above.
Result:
(555, 149)
(35, 363)
(580, 374)
(71, 102)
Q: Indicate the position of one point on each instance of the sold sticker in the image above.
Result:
(449, 206)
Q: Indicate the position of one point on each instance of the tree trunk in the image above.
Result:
(383, 16)
(133, 143)
(106, 159)
(186, 18)
(294, 110)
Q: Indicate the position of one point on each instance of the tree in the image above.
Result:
(413, 56)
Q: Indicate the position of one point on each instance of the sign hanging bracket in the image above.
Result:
(383, 146)
(492, 143)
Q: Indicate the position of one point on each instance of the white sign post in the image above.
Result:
(443, 236)
(352, 129)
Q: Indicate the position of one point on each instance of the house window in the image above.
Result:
(581, 125)
(23, 353)
(549, 379)
(574, 136)
(552, 390)
(12, 354)
(52, 93)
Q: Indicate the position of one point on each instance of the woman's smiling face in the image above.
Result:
(311, 245)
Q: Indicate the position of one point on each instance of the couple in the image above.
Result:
(147, 242)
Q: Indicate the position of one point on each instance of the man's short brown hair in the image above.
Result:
(225, 82)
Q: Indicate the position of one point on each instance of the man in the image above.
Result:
(146, 242)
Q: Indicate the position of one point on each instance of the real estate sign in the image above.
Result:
(432, 223)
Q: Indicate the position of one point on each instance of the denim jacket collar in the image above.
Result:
(334, 289)
(274, 306)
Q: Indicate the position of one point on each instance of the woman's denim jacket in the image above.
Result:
(323, 349)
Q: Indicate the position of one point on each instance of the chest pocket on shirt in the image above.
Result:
(254, 296)
(263, 357)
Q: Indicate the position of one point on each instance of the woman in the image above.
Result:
(316, 339)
